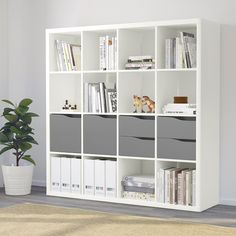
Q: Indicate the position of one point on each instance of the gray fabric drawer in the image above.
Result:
(176, 149)
(176, 127)
(136, 146)
(100, 134)
(137, 126)
(65, 133)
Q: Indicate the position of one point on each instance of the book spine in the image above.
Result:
(107, 101)
(180, 189)
(90, 98)
(101, 53)
(69, 56)
(167, 186)
(184, 187)
(107, 52)
(115, 66)
(102, 96)
(86, 96)
(73, 59)
(58, 55)
(183, 49)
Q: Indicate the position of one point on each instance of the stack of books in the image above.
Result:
(99, 99)
(68, 56)
(176, 186)
(140, 63)
(108, 52)
(180, 108)
(180, 52)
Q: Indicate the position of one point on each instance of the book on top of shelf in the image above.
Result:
(68, 56)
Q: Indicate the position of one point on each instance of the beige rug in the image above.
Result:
(43, 220)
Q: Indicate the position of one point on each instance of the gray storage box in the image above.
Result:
(65, 135)
(100, 134)
(136, 146)
(176, 149)
(176, 127)
(137, 126)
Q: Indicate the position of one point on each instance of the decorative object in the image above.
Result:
(138, 104)
(17, 135)
(150, 104)
(69, 107)
(180, 99)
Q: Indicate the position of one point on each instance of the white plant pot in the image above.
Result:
(17, 179)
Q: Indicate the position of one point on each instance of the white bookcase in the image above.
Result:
(200, 84)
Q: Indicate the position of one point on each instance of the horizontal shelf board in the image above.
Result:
(66, 153)
(64, 72)
(132, 71)
(136, 114)
(176, 160)
(122, 200)
(92, 113)
(98, 155)
(184, 115)
(176, 70)
(65, 112)
(137, 158)
(99, 71)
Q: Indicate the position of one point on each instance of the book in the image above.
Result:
(194, 188)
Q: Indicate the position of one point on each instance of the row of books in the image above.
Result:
(140, 63)
(180, 52)
(108, 52)
(99, 99)
(68, 56)
(176, 186)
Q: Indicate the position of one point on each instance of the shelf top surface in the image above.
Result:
(144, 25)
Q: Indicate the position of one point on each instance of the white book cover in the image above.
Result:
(115, 60)
(65, 53)
(107, 52)
(55, 173)
(188, 188)
(168, 185)
(86, 97)
(180, 189)
(58, 56)
(65, 174)
(99, 177)
(161, 186)
(102, 97)
(75, 175)
(89, 177)
(101, 54)
(110, 176)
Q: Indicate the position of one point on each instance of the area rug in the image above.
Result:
(44, 220)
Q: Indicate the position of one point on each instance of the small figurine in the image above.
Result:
(150, 104)
(68, 106)
(138, 104)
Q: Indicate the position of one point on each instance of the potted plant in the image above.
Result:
(17, 135)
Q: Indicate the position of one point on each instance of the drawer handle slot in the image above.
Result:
(141, 138)
(185, 140)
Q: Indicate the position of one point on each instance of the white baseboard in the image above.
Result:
(40, 183)
(228, 201)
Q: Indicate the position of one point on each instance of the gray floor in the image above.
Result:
(220, 215)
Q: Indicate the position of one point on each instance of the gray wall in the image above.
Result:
(3, 62)
(28, 19)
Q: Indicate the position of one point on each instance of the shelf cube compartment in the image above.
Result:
(170, 32)
(176, 183)
(135, 83)
(65, 133)
(171, 84)
(136, 42)
(92, 55)
(137, 179)
(100, 134)
(96, 87)
(65, 47)
(62, 88)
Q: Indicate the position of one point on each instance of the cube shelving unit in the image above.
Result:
(135, 140)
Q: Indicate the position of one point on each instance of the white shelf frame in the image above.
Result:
(203, 200)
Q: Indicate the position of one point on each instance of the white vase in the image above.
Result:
(17, 179)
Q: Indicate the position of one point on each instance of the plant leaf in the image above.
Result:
(28, 158)
(11, 118)
(9, 102)
(32, 114)
(25, 146)
(7, 110)
(25, 102)
(21, 110)
(5, 149)
(3, 138)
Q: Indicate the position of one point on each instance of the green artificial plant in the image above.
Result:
(17, 134)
